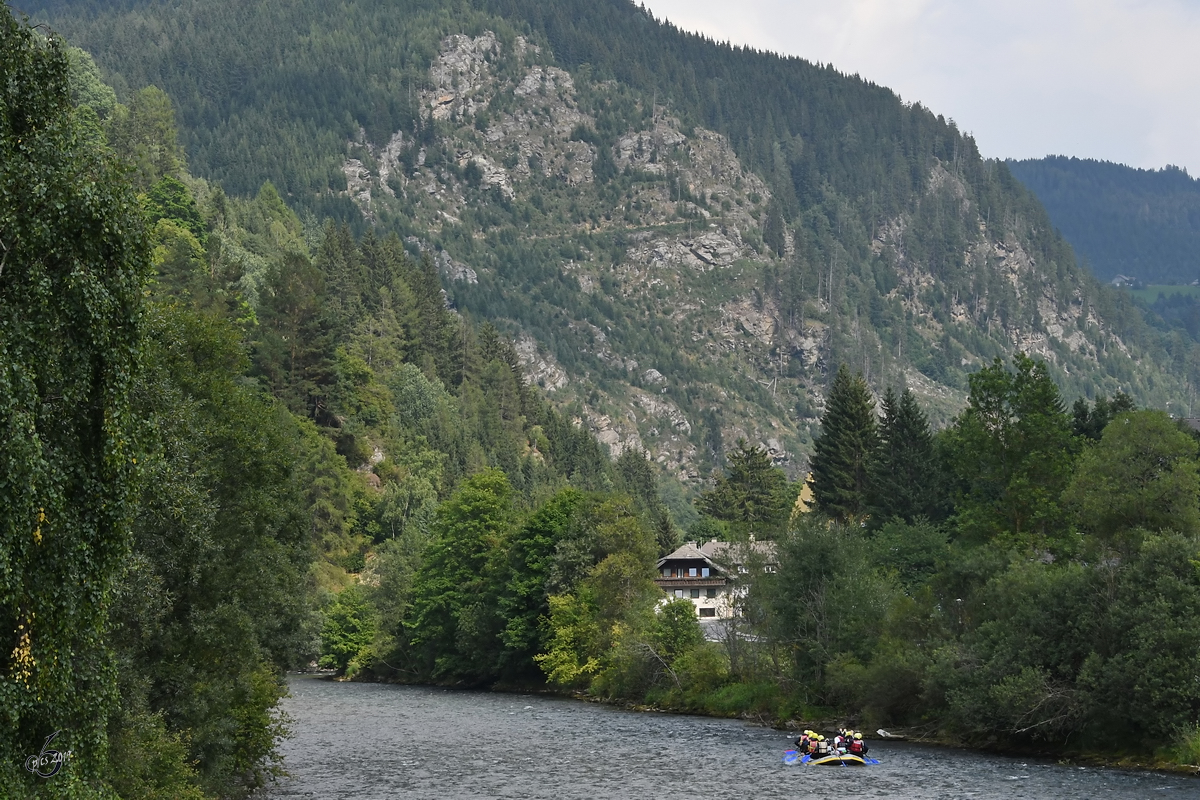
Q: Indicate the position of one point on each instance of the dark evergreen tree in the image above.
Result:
(753, 495)
(773, 230)
(843, 455)
(1091, 422)
(294, 351)
(904, 476)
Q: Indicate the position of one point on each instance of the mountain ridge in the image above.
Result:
(682, 237)
(1141, 223)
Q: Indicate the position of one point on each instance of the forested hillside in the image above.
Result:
(681, 237)
(1144, 224)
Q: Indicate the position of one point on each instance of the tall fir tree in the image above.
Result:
(753, 496)
(904, 475)
(846, 449)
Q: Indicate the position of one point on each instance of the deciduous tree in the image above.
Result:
(73, 261)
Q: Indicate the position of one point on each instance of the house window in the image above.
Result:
(666, 572)
(679, 592)
(691, 572)
(711, 592)
(704, 572)
(708, 612)
(695, 593)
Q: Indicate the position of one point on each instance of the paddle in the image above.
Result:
(794, 757)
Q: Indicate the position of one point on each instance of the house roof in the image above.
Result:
(714, 551)
(687, 552)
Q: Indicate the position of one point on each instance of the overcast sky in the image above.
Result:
(1117, 80)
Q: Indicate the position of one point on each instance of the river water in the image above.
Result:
(365, 741)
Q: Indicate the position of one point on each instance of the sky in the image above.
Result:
(1116, 80)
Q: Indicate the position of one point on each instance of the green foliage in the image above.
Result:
(215, 605)
(676, 631)
(1091, 421)
(843, 454)
(753, 496)
(904, 479)
(349, 631)
(73, 260)
(600, 616)
(825, 600)
(87, 87)
(914, 552)
(523, 604)
(1140, 476)
(148, 761)
(1011, 452)
(171, 199)
(573, 655)
(143, 134)
(454, 625)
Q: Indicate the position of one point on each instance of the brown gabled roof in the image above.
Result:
(713, 551)
(718, 550)
(688, 552)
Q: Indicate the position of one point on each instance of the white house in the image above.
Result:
(705, 574)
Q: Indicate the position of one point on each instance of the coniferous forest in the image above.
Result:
(248, 428)
(1143, 224)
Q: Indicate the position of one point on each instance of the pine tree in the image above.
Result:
(904, 478)
(842, 461)
(754, 494)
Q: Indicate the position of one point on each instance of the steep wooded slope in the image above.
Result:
(1135, 222)
(681, 237)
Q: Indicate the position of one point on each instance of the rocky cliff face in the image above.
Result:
(688, 353)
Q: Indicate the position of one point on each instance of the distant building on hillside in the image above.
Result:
(706, 573)
(1123, 280)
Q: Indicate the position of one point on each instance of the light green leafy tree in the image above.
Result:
(349, 630)
(1142, 474)
(1011, 451)
(453, 625)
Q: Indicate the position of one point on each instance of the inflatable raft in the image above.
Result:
(845, 760)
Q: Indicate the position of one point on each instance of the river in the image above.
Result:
(366, 741)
